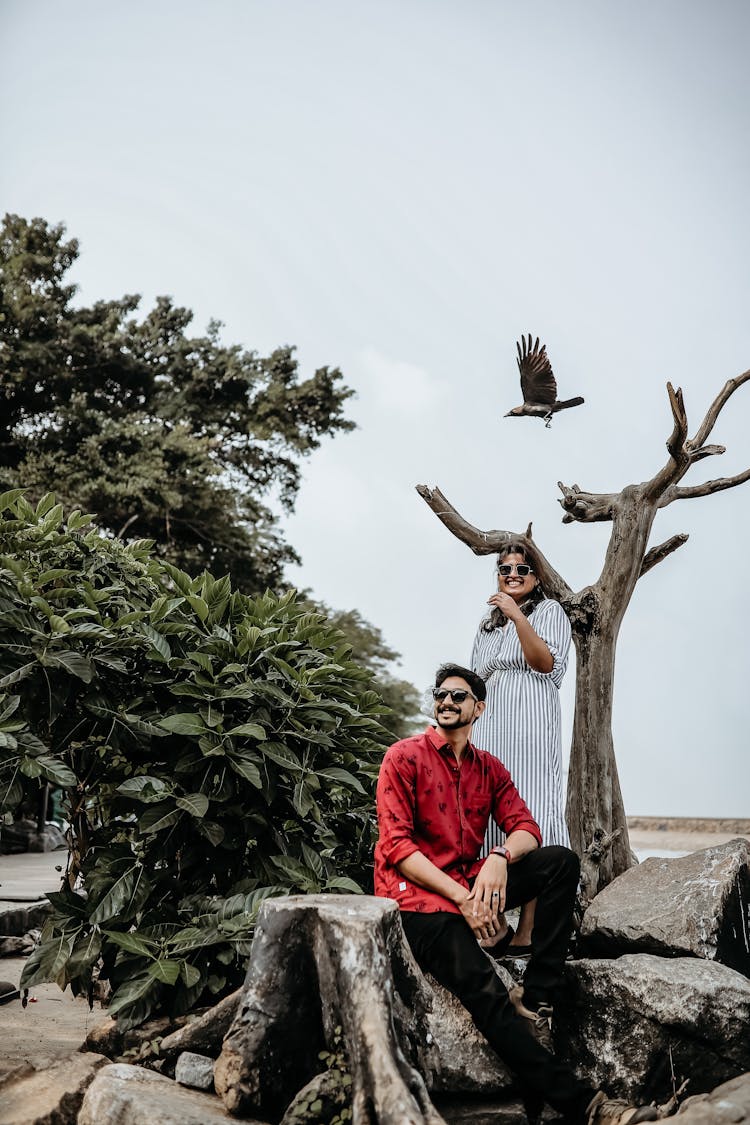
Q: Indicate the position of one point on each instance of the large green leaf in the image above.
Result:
(144, 788)
(18, 674)
(84, 955)
(249, 730)
(342, 883)
(165, 971)
(128, 993)
(246, 768)
(194, 803)
(281, 754)
(157, 641)
(47, 960)
(122, 899)
(56, 771)
(302, 798)
(158, 817)
(132, 943)
(297, 872)
(8, 499)
(72, 662)
(187, 722)
(346, 778)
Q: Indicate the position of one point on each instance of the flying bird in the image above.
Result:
(538, 385)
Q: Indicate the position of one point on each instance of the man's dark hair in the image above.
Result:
(475, 682)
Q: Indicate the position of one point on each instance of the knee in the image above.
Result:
(563, 860)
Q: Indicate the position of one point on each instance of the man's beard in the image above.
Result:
(449, 723)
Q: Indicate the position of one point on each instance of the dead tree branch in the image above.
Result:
(585, 507)
(676, 442)
(684, 452)
(657, 554)
(601, 843)
(707, 451)
(716, 407)
(491, 542)
(690, 492)
(481, 542)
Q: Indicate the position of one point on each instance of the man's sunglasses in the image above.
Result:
(521, 569)
(458, 695)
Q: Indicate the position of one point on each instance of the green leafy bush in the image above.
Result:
(213, 748)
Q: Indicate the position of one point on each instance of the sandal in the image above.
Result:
(518, 951)
(500, 947)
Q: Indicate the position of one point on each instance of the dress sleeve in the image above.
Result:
(552, 625)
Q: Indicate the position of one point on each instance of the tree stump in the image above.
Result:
(331, 974)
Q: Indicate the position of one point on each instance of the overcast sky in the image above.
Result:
(401, 188)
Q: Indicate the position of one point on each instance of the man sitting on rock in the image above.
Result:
(436, 793)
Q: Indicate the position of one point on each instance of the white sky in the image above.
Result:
(401, 188)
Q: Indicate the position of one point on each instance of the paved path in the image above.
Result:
(28, 876)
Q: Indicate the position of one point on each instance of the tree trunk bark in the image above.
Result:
(594, 796)
(330, 974)
(595, 807)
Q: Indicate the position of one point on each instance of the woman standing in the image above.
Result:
(521, 651)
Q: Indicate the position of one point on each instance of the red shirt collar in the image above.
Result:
(437, 739)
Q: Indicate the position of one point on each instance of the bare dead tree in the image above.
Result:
(596, 612)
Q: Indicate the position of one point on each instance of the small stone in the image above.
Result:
(105, 1038)
(195, 1070)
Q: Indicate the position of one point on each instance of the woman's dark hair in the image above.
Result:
(475, 682)
(497, 619)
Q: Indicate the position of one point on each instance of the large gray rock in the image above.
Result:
(726, 1105)
(51, 1096)
(129, 1095)
(628, 1024)
(696, 905)
(467, 1063)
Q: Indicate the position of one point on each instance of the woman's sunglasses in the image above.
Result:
(458, 696)
(521, 569)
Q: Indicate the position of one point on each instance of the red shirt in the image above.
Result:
(428, 803)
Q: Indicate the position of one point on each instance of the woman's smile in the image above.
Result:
(515, 585)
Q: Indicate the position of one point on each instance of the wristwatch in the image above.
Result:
(500, 850)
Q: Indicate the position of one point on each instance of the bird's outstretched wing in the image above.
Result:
(537, 381)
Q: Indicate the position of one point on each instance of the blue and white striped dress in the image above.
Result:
(521, 723)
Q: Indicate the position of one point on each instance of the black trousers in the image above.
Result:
(444, 945)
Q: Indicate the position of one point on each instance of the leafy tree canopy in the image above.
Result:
(370, 651)
(213, 748)
(163, 435)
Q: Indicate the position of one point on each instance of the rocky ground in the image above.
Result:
(54, 1024)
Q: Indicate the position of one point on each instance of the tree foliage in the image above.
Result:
(214, 748)
(163, 435)
(371, 652)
